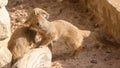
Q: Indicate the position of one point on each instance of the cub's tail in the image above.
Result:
(98, 37)
(85, 33)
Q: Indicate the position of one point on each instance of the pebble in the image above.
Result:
(94, 61)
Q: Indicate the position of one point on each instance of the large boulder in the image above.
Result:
(5, 31)
(35, 58)
(108, 17)
(5, 20)
(5, 55)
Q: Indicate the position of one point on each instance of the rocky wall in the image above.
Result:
(109, 18)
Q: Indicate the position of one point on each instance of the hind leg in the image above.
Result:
(71, 47)
(75, 53)
(76, 48)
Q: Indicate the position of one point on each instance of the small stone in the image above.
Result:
(108, 51)
(107, 58)
(94, 61)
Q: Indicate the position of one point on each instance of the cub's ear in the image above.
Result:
(36, 12)
(41, 12)
(45, 15)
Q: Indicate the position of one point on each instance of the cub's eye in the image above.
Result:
(45, 15)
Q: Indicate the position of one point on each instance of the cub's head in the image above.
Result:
(37, 19)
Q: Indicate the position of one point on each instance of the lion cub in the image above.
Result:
(58, 29)
(20, 42)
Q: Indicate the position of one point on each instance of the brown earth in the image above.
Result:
(93, 55)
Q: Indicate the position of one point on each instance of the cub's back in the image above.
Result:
(21, 37)
(65, 27)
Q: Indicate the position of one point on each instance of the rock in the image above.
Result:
(5, 57)
(108, 16)
(107, 58)
(3, 3)
(5, 19)
(94, 61)
(35, 58)
(5, 32)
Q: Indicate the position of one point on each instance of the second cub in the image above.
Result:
(58, 29)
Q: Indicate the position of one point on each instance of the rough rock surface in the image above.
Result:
(3, 31)
(35, 58)
(108, 14)
(5, 55)
(3, 3)
(5, 19)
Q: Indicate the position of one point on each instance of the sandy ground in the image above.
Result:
(93, 55)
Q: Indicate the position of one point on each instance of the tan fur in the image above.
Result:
(58, 29)
(20, 42)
